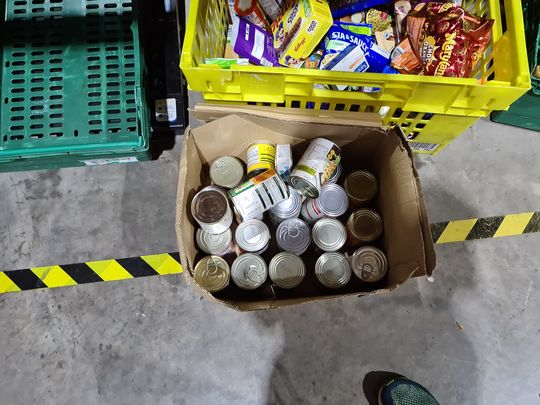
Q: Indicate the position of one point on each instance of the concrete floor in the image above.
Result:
(155, 341)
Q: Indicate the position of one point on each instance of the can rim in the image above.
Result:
(339, 193)
(365, 262)
(257, 246)
(289, 227)
(323, 276)
(339, 241)
(373, 215)
(202, 237)
(289, 258)
(221, 282)
(209, 188)
(260, 265)
(235, 177)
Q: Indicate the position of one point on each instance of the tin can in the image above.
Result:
(332, 202)
(286, 270)
(211, 210)
(227, 171)
(284, 160)
(212, 273)
(259, 194)
(364, 226)
(261, 156)
(289, 208)
(293, 235)
(215, 244)
(361, 187)
(369, 264)
(249, 271)
(252, 236)
(329, 234)
(335, 177)
(333, 270)
(316, 166)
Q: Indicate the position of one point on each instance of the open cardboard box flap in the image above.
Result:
(407, 237)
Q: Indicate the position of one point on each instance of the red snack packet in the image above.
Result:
(448, 40)
(252, 11)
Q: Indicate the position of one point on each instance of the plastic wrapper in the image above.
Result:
(252, 11)
(404, 59)
(252, 42)
(401, 9)
(272, 8)
(342, 8)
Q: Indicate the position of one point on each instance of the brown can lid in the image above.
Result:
(209, 205)
(361, 186)
(369, 264)
(365, 225)
(212, 273)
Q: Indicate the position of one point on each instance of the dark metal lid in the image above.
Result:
(365, 225)
(361, 186)
(209, 205)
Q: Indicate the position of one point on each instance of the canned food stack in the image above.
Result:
(266, 222)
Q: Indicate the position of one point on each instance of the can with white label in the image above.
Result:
(315, 167)
(332, 202)
(335, 177)
(290, 208)
(227, 171)
(219, 244)
(364, 226)
(286, 270)
(293, 235)
(329, 234)
(261, 156)
(211, 210)
(252, 236)
(361, 187)
(369, 264)
(284, 160)
(333, 270)
(212, 273)
(249, 271)
(257, 195)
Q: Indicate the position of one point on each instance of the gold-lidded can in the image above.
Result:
(211, 210)
(261, 156)
(333, 270)
(369, 264)
(364, 226)
(227, 171)
(361, 187)
(212, 273)
(249, 271)
(287, 270)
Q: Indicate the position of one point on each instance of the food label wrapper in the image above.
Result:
(342, 8)
(252, 42)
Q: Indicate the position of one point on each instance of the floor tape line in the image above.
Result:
(169, 263)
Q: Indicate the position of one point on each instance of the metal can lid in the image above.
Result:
(329, 234)
(287, 270)
(249, 271)
(337, 173)
(227, 171)
(217, 244)
(365, 224)
(361, 186)
(293, 235)
(333, 200)
(209, 205)
(333, 270)
(290, 207)
(303, 187)
(369, 264)
(252, 235)
(212, 273)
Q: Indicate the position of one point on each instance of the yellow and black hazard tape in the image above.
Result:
(169, 263)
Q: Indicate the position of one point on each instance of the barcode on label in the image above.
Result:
(423, 146)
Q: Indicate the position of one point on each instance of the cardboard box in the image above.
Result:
(407, 238)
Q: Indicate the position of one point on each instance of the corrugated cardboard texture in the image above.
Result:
(406, 240)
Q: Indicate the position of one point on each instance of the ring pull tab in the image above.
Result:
(292, 230)
(253, 275)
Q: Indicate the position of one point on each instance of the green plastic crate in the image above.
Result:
(72, 84)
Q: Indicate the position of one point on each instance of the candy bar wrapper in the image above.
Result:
(342, 8)
(272, 8)
(252, 42)
(404, 58)
(252, 11)
(448, 40)
(314, 60)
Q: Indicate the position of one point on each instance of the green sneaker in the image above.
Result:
(402, 391)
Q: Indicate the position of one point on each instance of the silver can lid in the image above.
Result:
(333, 200)
(212, 273)
(209, 205)
(227, 171)
(252, 235)
(369, 264)
(290, 207)
(293, 235)
(333, 270)
(337, 173)
(249, 271)
(287, 270)
(329, 234)
(217, 244)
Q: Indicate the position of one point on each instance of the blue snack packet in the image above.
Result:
(342, 8)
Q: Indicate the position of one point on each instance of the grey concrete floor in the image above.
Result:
(155, 341)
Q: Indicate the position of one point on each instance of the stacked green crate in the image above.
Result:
(525, 112)
(72, 84)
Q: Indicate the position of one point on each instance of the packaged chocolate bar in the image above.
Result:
(342, 8)
(252, 11)
(252, 42)
(404, 58)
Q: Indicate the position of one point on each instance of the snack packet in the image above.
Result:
(404, 58)
(448, 40)
(252, 42)
(342, 8)
(356, 18)
(401, 9)
(226, 63)
(252, 11)
(272, 8)
(380, 20)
